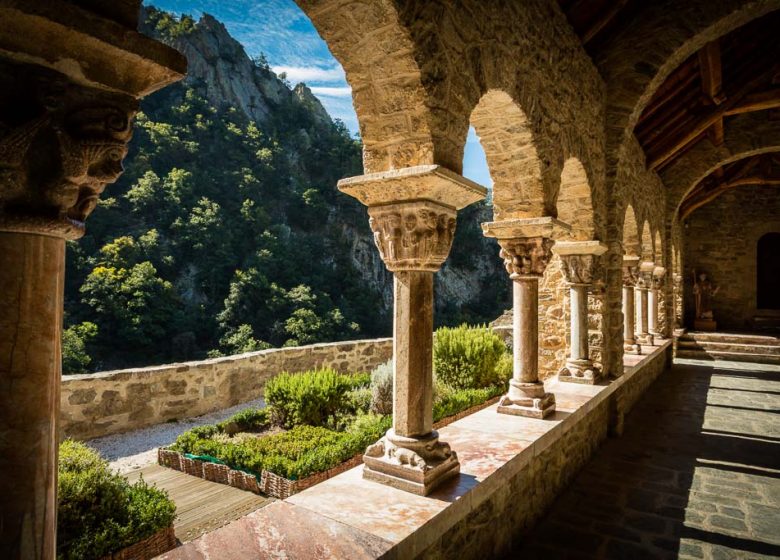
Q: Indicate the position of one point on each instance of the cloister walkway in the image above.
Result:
(696, 474)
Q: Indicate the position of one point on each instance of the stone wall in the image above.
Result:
(727, 251)
(111, 402)
(492, 526)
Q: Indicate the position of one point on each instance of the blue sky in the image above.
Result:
(280, 30)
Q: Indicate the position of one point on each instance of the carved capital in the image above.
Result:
(60, 145)
(578, 269)
(630, 275)
(526, 256)
(413, 236)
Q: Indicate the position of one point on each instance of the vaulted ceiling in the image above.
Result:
(738, 73)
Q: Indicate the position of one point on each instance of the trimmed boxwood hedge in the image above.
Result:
(331, 417)
(99, 511)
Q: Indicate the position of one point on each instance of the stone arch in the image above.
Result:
(638, 59)
(574, 205)
(631, 241)
(377, 55)
(510, 150)
(745, 136)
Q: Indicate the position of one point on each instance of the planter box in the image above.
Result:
(159, 543)
(272, 484)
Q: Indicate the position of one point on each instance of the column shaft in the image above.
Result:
(579, 321)
(629, 338)
(652, 311)
(412, 349)
(31, 291)
(525, 335)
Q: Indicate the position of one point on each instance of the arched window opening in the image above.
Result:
(768, 271)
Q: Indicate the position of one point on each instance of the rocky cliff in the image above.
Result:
(222, 72)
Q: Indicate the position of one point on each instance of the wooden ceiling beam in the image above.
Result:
(711, 73)
(754, 171)
(759, 101)
(681, 141)
(602, 21)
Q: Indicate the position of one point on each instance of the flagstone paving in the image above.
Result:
(696, 474)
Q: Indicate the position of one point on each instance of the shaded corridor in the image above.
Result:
(695, 475)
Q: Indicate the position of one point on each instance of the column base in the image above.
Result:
(632, 348)
(579, 371)
(645, 338)
(527, 399)
(416, 465)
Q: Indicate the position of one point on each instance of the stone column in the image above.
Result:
(412, 213)
(630, 273)
(655, 328)
(643, 284)
(677, 290)
(66, 104)
(578, 258)
(526, 249)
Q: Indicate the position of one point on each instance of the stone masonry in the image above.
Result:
(99, 404)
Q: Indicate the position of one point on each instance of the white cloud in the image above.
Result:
(332, 91)
(297, 74)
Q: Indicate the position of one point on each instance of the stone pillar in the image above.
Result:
(578, 259)
(657, 325)
(655, 328)
(643, 284)
(677, 290)
(412, 213)
(630, 273)
(66, 104)
(526, 249)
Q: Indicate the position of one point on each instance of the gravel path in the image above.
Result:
(137, 449)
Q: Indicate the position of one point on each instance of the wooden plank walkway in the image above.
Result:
(201, 505)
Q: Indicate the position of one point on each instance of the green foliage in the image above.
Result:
(451, 401)
(75, 338)
(247, 420)
(467, 357)
(382, 389)
(314, 398)
(241, 340)
(100, 512)
(295, 454)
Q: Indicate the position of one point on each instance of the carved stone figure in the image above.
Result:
(704, 290)
(527, 256)
(60, 145)
(413, 236)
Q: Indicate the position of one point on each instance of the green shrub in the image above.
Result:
(360, 399)
(467, 357)
(382, 388)
(99, 512)
(247, 420)
(313, 398)
(452, 401)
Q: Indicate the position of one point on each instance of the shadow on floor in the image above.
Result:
(689, 478)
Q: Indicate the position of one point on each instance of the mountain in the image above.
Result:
(226, 232)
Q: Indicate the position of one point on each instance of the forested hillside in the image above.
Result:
(226, 232)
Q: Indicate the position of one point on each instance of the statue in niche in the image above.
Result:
(704, 290)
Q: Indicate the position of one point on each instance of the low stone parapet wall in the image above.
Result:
(512, 469)
(111, 402)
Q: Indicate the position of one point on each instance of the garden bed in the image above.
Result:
(319, 423)
(159, 543)
(269, 483)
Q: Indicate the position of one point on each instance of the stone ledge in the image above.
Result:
(497, 453)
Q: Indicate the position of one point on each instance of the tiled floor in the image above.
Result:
(695, 475)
